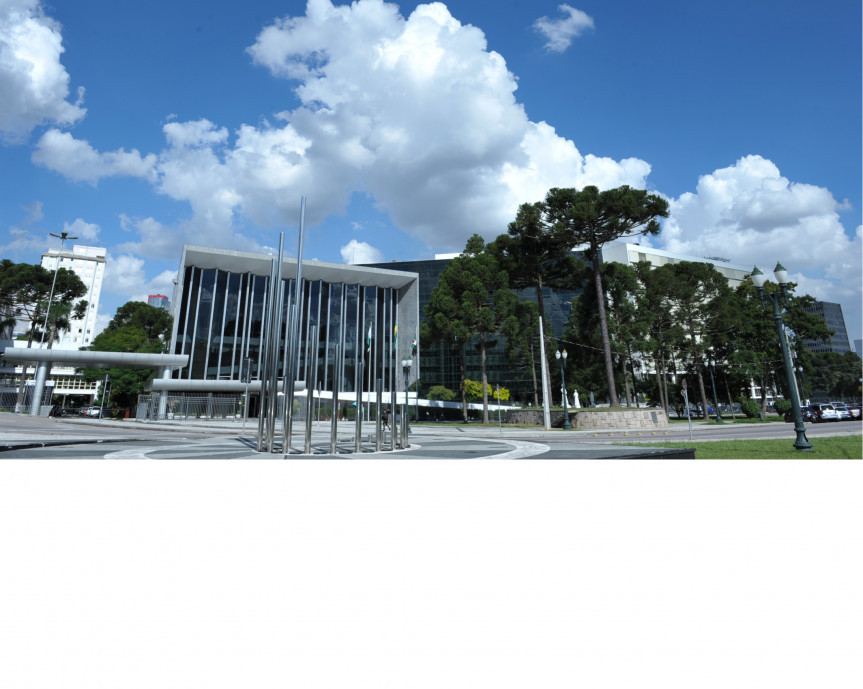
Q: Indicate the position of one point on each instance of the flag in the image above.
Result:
(414, 346)
(396, 338)
(369, 339)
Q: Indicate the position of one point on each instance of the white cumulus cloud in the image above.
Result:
(560, 32)
(355, 252)
(79, 161)
(751, 214)
(83, 230)
(413, 111)
(34, 85)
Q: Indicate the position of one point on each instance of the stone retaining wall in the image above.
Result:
(595, 419)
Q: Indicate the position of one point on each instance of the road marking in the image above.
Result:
(520, 450)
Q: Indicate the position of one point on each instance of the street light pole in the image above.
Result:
(802, 444)
(711, 366)
(63, 236)
(561, 357)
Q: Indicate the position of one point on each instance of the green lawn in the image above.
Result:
(841, 447)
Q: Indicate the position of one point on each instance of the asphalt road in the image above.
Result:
(26, 437)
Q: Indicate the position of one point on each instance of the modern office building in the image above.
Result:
(441, 365)
(369, 314)
(838, 341)
(160, 301)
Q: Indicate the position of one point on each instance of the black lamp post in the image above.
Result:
(711, 366)
(561, 357)
(758, 279)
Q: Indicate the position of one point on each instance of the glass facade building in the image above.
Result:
(441, 361)
(831, 314)
(219, 311)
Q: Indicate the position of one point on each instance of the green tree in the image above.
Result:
(26, 294)
(472, 300)
(661, 332)
(442, 393)
(135, 327)
(591, 219)
(521, 330)
(752, 346)
(700, 301)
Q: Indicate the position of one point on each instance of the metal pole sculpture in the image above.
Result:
(391, 364)
(334, 420)
(263, 372)
(312, 358)
(358, 385)
(378, 396)
(275, 345)
(294, 336)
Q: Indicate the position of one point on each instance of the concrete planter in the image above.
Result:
(595, 419)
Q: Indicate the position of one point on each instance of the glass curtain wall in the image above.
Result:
(221, 322)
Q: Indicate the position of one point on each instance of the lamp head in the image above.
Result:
(557, 354)
(757, 277)
(564, 355)
(781, 273)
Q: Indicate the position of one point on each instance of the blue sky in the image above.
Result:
(143, 126)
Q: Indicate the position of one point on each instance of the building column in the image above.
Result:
(163, 372)
(42, 371)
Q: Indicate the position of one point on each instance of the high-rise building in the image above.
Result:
(831, 314)
(160, 301)
(88, 263)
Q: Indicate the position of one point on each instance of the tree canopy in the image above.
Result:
(135, 327)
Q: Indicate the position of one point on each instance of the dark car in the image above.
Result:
(809, 416)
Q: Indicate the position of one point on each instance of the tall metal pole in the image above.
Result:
(334, 417)
(294, 335)
(312, 358)
(378, 397)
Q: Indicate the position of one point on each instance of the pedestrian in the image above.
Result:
(385, 417)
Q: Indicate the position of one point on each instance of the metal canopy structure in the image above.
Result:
(45, 358)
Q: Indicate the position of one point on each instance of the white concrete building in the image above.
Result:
(88, 263)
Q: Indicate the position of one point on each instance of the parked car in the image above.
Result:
(855, 410)
(844, 412)
(94, 411)
(809, 416)
(824, 412)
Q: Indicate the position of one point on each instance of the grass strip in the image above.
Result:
(838, 447)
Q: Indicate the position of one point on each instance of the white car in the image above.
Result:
(94, 411)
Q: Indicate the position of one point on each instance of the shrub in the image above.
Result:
(782, 406)
(751, 408)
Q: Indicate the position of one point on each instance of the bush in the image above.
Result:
(782, 406)
(751, 408)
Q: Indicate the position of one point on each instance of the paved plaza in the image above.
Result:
(24, 436)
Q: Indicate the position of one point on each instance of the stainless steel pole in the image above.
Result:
(295, 335)
(312, 358)
(334, 421)
(378, 397)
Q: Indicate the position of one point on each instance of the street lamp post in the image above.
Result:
(561, 357)
(63, 236)
(406, 369)
(711, 366)
(802, 444)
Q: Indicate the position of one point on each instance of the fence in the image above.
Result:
(182, 407)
